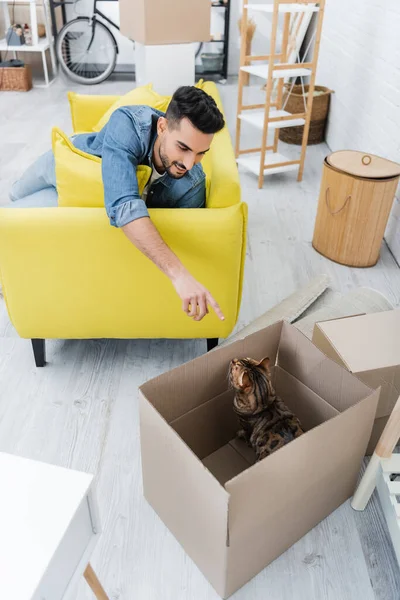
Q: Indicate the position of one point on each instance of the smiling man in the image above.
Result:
(172, 144)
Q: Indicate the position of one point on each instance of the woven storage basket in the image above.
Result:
(319, 115)
(15, 79)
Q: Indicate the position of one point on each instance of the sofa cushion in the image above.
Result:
(140, 95)
(78, 174)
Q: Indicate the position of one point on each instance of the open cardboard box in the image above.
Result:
(369, 347)
(231, 516)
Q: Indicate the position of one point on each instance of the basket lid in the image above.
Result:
(361, 164)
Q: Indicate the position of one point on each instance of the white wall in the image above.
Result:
(261, 39)
(360, 60)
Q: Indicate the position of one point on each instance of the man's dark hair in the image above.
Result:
(200, 108)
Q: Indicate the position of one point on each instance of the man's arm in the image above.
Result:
(195, 297)
(127, 210)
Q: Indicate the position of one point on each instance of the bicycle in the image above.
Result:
(86, 48)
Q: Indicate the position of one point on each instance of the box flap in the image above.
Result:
(209, 426)
(340, 318)
(389, 381)
(311, 409)
(244, 450)
(278, 500)
(225, 463)
(184, 494)
(300, 357)
(366, 342)
(323, 343)
(184, 388)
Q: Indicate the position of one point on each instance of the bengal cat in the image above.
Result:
(267, 423)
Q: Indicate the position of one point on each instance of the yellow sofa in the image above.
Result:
(67, 273)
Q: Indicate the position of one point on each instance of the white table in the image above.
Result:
(49, 526)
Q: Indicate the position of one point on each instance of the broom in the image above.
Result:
(250, 30)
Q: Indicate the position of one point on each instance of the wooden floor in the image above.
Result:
(80, 411)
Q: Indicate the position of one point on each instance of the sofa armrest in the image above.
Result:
(87, 110)
(224, 175)
(224, 182)
(66, 273)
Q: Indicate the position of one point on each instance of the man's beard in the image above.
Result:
(168, 165)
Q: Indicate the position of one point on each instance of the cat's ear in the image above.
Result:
(264, 364)
(244, 380)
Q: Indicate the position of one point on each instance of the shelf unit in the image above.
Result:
(42, 45)
(38, 44)
(226, 6)
(271, 114)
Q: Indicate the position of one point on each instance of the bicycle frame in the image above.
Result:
(97, 11)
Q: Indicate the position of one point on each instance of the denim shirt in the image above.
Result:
(125, 142)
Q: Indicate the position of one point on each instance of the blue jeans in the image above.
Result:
(37, 186)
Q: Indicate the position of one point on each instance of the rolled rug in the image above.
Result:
(288, 310)
(335, 305)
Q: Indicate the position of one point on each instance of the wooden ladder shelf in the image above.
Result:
(271, 115)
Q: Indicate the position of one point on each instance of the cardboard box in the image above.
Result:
(231, 516)
(165, 21)
(369, 347)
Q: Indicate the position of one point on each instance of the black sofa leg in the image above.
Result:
(39, 351)
(211, 343)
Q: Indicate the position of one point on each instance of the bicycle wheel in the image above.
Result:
(86, 50)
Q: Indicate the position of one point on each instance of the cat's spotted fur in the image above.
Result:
(267, 423)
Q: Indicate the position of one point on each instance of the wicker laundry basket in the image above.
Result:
(356, 196)
(319, 114)
(15, 79)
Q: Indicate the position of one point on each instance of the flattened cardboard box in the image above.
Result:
(231, 516)
(153, 22)
(369, 347)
